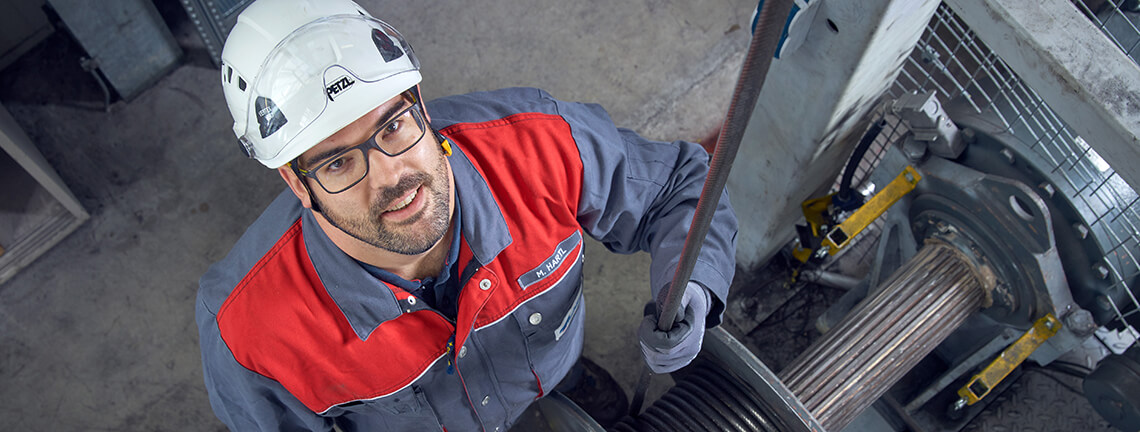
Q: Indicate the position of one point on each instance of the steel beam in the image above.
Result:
(1072, 65)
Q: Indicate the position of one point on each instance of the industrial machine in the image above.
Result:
(994, 235)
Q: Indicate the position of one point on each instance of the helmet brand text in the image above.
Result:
(267, 112)
(339, 86)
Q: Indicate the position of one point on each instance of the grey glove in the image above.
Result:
(666, 352)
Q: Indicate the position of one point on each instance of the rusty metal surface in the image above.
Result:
(840, 376)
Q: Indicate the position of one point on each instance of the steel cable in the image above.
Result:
(705, 398)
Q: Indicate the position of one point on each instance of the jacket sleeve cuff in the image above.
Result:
(714, 281)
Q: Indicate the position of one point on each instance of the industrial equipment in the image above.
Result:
(1001, 238)
(213, 19)
(127, 42)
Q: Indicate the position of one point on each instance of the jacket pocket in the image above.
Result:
(552, 324)
(404, 410)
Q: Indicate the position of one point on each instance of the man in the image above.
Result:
(426, 273)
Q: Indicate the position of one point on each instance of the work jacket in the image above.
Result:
(295, 334)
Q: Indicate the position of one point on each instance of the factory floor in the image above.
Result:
(99, 333)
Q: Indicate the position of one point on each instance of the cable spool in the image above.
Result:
(843, 373)
(706, 398)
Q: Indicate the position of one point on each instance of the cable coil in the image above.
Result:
(705, 398)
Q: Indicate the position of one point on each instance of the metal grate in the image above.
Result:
(1118, 19)
(214, 19)
(950, 59)
(225, 8)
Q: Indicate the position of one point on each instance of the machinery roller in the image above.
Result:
(855, 363)
(844, 372)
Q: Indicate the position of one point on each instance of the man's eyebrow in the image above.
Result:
(391, 113)
(320, 157)
(384, 118)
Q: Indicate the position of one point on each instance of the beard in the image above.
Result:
(412, 236)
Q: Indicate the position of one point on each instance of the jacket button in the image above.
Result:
(535, 318)
(486, 400)
(412, 300)
(485, 284)
(463, 351)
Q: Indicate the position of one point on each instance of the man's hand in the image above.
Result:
(668, 351)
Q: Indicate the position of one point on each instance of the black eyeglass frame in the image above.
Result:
(368, 144)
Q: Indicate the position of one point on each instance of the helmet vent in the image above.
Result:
(387, 48)
(241, 84)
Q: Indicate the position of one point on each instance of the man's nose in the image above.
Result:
(383, 170)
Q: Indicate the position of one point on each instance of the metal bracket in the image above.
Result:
(841, 235)
(930, 127)
(979, 386)
(835, 238)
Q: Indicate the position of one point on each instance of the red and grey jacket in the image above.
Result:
(296, 335)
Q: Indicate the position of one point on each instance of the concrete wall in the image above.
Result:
(812, 112)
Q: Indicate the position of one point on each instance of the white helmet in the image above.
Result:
(294, 72)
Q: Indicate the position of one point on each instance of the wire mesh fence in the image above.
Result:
(950, 59)
(1118, 19)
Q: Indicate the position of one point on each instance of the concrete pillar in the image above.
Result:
(813, 110)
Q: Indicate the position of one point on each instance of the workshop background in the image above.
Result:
(122, 181)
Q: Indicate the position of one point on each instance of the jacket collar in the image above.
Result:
(484, 226)
(366, 301)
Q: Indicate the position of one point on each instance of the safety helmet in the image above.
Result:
(294, 72)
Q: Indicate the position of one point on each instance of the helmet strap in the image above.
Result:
(443, 142)
(414, 95)
(312, 199)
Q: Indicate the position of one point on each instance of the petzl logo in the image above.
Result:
(339, 86)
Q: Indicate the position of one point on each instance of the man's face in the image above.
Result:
(403, 205)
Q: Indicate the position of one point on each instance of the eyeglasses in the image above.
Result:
(341, 171)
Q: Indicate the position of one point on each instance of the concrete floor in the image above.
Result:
(99, 333)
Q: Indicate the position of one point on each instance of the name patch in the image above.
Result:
(552, 263)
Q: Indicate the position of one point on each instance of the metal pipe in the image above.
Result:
(831, 279)
(765, 38)
(844, 372)
(769, 30)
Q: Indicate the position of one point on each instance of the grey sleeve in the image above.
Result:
(640, 195)
(243, 399)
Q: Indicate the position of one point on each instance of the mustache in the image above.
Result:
(390, 194)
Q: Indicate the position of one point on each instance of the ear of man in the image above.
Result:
(297, 185)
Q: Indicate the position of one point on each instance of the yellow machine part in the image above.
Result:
(839, 236)
(814, 210)
(981, 384)
(842, 234)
